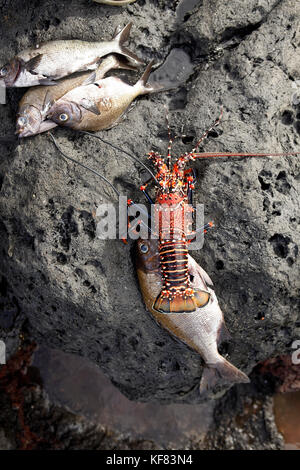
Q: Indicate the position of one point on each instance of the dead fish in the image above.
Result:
(31, 118)
(99, 105)
(202, 330)
(56, 59)
(115, 2)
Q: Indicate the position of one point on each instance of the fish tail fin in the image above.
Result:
(120, 39)
(153, 87)
(181, 303)
(118, 62)
(221, 371)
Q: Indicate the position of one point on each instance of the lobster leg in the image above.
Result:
(148, 197)
(190, 186)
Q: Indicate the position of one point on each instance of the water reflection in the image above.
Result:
(175, 70)
(80, 386)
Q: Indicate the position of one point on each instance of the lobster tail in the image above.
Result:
(177, 296)
(186, 301)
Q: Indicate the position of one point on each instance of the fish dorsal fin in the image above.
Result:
(142, 82)
(47, 82)
(223, 334)
(90, 79)
(123, 63)
(48, 103)
(33, 63)
(130, 55)
(151, 87)
(117, 31)
(144, 78)
(122, 35)
(205, 276)
(90, 106)
(120, 39)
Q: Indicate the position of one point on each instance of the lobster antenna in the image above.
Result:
(171, 139)
(82, 165)
(169, 156)
(215, 123)
(193, 156)
(124, 151)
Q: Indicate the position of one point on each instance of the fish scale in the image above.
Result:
(202, 330)
(101, 104)
(56, 59)
(31, 118)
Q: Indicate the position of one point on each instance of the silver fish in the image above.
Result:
(57, 59)
(202, 330)
(99, 105)
(31, 118)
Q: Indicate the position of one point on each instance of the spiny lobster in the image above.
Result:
(176, 185)
(176, 290)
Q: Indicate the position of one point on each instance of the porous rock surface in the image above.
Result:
(43, 407)
(80, 294)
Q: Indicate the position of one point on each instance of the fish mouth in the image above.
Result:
(13, 74)
(23, 133)
(29, 119)
(18, 71)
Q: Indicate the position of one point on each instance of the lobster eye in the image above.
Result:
(63, 117)
(144, 248)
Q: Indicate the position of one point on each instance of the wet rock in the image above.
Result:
(53, 400)
(283, 372)
(79, 386)
(5, 444)
(244, 418)
(253, 429)
(30, 421)
(80, 294)
(286, 411)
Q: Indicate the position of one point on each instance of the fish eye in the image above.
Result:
(22, 121)
(3, 71)
(144, 248)
(63, 117)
